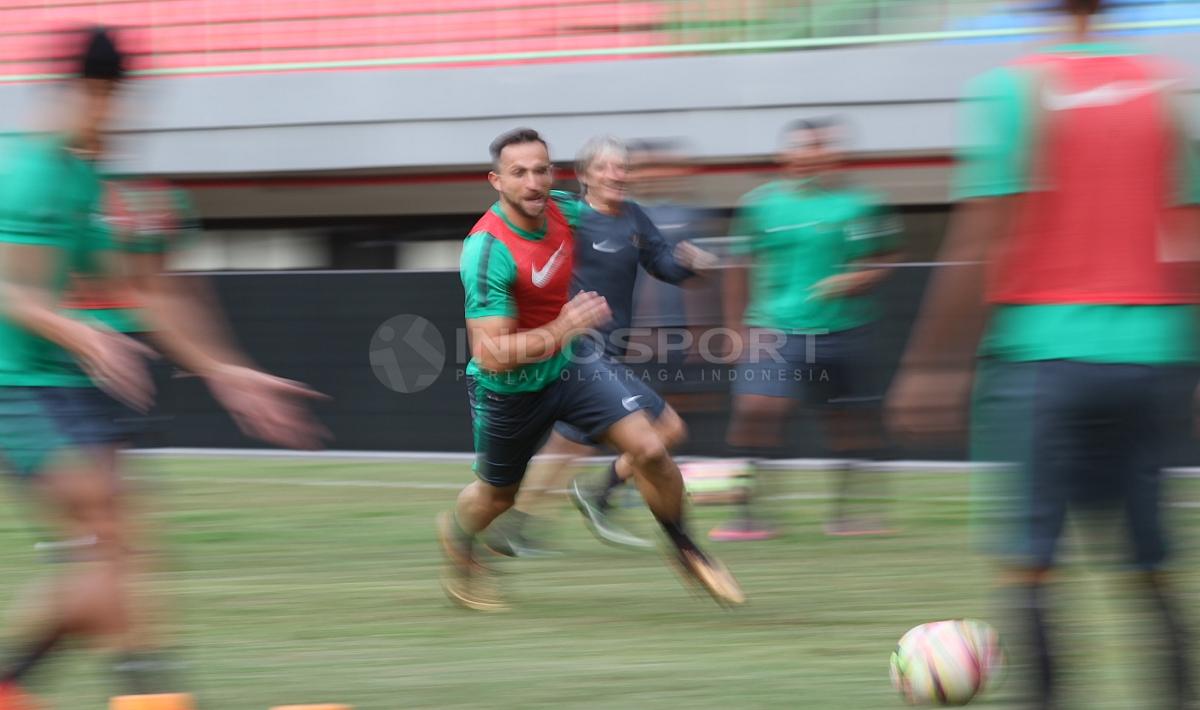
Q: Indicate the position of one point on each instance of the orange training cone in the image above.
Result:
(163, 701)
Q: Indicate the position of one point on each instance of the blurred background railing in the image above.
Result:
(219, 36)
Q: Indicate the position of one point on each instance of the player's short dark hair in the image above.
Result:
(807, 125)
(1083, 7)
(100, 57)
(660, 151)
(516, 136)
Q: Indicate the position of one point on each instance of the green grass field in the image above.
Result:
(303, 581)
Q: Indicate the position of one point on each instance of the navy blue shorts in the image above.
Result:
(39, 424)
(509, 428)
(1056, 436)
(643, 398)
(89, 416)
(830, 369)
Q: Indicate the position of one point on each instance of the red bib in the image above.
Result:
(543, 265)
(1097, 225)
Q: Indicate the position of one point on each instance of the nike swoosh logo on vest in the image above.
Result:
(1110, 94)
(541, 276)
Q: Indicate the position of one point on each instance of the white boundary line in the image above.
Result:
(426, 486)
(904, 466)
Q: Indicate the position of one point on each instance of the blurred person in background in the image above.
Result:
(661, 180)
(1072, 253)
(528, 371)
(615, 241)
(812, 251)
(70, 382)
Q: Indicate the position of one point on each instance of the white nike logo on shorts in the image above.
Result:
(631, 403)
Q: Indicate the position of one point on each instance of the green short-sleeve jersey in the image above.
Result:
(49, 198)
(795, 235)
(141, 219)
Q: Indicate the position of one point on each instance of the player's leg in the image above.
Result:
(1059, 454)
(598, 402)
(670, 428)
(756, 433)
(549, 471)
(507, 429)
(765, 387)
(1148, 435)
(88, 594)
(595, 501)
(850, 400)
(105, 426)
(841, 386)
(661, 484)
(1018, 505)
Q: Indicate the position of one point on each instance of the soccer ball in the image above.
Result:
(946, 662)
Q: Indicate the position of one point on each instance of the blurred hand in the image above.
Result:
(693, 258)
(586, 310)
(928, 404)
(117, 364)
(850, 283)
(267, 407)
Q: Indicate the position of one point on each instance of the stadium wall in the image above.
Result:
(318, 327)
(900, 99)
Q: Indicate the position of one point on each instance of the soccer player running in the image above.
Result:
(525, 375)
(1078, 194)
(613, 236)
(58, 432)
(803, 306)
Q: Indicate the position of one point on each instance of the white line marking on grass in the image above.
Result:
(806, 464)
(425, 485)
(408, 485)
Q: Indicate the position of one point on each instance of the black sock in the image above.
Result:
(1177, 637)
(1033, 608)
(677, 532)
(612, 481)
(24, 660)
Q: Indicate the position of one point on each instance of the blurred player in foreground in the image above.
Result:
(525, 374)
(61, 416)
(1078, 194)
(613, 236)
(803, 304)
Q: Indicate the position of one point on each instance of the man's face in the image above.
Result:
(523, 178)
(97, 97)
(659, 175)
(808, 152)
(607, 178)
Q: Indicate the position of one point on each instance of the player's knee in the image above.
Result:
(672, 431)
(93, 511)
(649, 454)
(501, 499)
